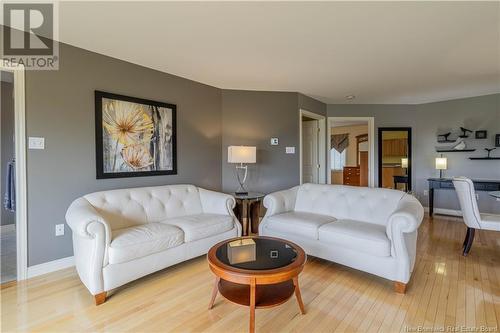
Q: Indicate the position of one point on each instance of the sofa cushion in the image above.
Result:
(140, 241)
(348, 202)
(298, 223)
(360, 236)
(202, 225)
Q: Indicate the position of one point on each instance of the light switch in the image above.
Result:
(36, 143)
(290, 150)
(274, 141)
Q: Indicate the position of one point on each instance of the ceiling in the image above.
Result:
(381, 52)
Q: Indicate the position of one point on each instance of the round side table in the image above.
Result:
(247, 211)
(256, 272)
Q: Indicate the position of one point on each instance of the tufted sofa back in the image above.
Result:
(132, 206)
(373, 205)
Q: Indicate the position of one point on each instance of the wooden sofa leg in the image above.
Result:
(100, 298)
(399, 287)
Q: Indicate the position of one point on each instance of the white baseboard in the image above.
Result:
(7, 228)
(50, 266)
(445, 211)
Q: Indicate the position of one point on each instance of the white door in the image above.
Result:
(310, 162)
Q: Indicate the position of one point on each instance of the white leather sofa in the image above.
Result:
(122, 235)
(369, 229)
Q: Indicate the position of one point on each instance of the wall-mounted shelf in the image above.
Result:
(484, 158)
(455, 150)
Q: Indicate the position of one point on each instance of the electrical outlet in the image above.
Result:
(426, 192)
(59, 229)
(274, 141)
(477, 196)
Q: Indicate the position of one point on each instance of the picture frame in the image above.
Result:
(135, 137)
(497, 140)
(482, 134)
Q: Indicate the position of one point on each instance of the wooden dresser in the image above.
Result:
(351, 176)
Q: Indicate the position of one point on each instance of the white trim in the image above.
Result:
(7, 228)
(20, 153)
(371, 145)
(445, 211)
(51, 266)
(322, 172)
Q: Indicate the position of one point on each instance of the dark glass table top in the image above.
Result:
(249, 196)
(255, 253)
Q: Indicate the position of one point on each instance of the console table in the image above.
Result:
(447, 184)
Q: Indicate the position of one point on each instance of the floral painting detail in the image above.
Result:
(135, 137)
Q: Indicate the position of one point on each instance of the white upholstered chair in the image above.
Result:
(472, 218)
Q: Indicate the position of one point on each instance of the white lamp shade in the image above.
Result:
(404, 163)
(241, 154)
(441, 163)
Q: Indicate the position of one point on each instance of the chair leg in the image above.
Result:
(100, 298)
(470, 239)
(466, 238)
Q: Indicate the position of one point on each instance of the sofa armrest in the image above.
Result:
(91, 238)
(280, 202)
(406, 218)
(216, 202)
(80, 217)
(402, 231)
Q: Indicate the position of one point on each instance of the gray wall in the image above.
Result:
(60, 107)
(311, 104)
(7, 140)
(253, 118)
(427, 120)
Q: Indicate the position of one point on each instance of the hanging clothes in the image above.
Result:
(9, 200)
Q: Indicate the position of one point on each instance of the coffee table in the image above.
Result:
(258, 272)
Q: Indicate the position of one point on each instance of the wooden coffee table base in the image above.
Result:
(257, 296)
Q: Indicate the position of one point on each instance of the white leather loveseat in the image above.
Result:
(122, 235)
(370, 229)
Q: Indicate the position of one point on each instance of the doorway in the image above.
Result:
(394, 158)
(13, 173)
(8, 269)
(312, 148)
(351, 151)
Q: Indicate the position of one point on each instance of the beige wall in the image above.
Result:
(353, 132)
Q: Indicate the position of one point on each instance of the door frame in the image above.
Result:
(371, 145)
(20, 169)
(410, 158)
(322, 176)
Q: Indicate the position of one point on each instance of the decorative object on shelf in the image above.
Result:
(464, 133)
(497, 140)
(488, 157)
(444, 138)
(458, 145)
(441, 164)
(489, 150)
(241, 155)
(481, 134)
(134, 137)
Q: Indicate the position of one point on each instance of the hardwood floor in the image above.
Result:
(447, 291)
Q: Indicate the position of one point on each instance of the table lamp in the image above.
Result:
(240, 155)
(441, 164)
(404, 164)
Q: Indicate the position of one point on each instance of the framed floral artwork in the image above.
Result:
(134, 137)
